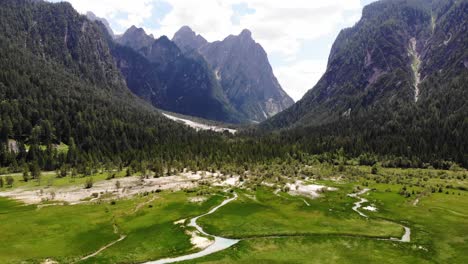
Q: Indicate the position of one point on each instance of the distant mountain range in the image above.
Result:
(159, 72)
(229, 80)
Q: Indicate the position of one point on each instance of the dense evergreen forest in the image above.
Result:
(64, 103)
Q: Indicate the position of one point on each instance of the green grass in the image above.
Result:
(269, 215)
(439, 222)
(67, 233)
(316, 249)
(274, 229)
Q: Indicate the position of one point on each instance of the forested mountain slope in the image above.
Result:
(59, 84)
(396, 83)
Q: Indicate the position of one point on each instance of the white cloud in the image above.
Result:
(135, 11)
(300, 76)
(278, 25)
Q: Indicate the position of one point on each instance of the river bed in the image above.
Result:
(219, 243)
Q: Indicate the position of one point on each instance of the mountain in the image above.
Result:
(395, 83)
(91, 16)
(388, 58)
(187, 40)
(242, 67)
(135, 38)
(159, 72)
(59, 84)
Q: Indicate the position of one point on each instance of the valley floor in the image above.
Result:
(325, 215)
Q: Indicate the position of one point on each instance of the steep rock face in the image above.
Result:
(242, 67)
(162, 74)
(384, 61)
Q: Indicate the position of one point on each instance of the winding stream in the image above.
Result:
(406, 236)
(219, 244)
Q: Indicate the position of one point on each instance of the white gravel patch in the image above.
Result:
(198, 241)
(199, 126)
(130, 186)
(370, 208)
(309, 190)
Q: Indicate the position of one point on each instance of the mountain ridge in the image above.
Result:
(159, 72)
(242, 67)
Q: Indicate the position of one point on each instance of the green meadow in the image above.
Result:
(274, 227)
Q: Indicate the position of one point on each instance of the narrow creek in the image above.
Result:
(357, 205)
(219, 244)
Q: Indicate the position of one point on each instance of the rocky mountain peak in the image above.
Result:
(246, 34)
(246, 76)
(136, 38)
(188, 40)
(241, 66)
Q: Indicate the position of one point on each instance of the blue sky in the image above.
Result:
(297, 34)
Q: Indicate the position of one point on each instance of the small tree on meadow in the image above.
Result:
(10, 181)
(89, 183)
(26, 173)
(35, 171)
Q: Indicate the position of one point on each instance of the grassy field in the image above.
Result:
(274, 227)
(438, 221)
(261, 213)
(316, 249)
(66, 233)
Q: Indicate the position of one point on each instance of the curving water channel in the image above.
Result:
(219, 244)
(406, 236)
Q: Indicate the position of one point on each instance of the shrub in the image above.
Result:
(89, 183)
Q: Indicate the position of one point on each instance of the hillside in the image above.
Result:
(59, 84)
(395, 83)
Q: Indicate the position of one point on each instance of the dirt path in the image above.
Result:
(117, 231)
(139, 206)
(122, 237)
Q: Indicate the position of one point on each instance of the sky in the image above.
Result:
(296, 34)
